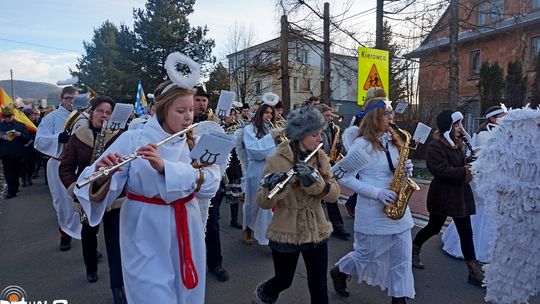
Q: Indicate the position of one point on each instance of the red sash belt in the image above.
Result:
(56, 158)
(187, 266)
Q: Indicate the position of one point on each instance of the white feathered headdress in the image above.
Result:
(181, 81)
(270, 99)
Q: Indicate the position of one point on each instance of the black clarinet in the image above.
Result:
(473, 156)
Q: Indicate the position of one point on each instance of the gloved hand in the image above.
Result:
(409, 167)
(306, 174)
(386, 196)
(271, 180)
(63, 137)
(277, 131)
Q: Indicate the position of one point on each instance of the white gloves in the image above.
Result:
(409, 167)
(277, 131)
(386, 196)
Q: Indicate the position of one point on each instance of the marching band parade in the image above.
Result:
(155, 182)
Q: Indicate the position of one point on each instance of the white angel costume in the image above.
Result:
(258, 149)
(382, 246)
(508, 176)
(47, 143)
(482, 224)
(154, 269)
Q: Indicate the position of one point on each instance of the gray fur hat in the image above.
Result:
(303, 121)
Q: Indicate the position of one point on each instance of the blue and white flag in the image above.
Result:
(140, 102)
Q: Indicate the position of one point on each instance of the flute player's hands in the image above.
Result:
(150, 153)
(109, 160)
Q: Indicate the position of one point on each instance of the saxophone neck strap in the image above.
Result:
(389, 158)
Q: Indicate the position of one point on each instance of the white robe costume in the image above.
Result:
(482, 224)
(148, 237)
(47, 143)
(508, 176)
(382, 246)
(254, 217)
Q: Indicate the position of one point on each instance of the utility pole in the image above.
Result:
(12, 89)
(326, 91)
(453, 77)
(379, 25)
(284, 48)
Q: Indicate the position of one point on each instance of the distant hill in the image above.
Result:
(29, 89)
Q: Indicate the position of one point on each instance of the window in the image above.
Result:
(258, 87)
(490, 11)
(474, 63)
(296, 86)
(305, 85)
(535, 49)
(302, 56)
(241, 63)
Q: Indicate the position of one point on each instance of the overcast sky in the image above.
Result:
(41, 40)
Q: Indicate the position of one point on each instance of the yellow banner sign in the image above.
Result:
(372, 71)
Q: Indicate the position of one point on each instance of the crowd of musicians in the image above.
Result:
(160, 242)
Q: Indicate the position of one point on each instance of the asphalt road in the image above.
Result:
(30, 258)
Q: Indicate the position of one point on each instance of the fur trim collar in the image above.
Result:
(84, 134)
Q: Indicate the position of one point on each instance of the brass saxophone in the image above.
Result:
(402, 185)
(333, 155)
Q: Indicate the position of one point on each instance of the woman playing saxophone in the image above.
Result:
(382, 255)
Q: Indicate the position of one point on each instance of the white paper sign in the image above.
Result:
(120, 116)
(401, 106)
(213, 148)
(224, 106)
(421, 133)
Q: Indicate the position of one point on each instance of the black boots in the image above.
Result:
(92, 277)
(234, 216)
(399, 300)
(261, 298)
(416, 263)
(340, 281)
(65, 242)
(476, 274)
(119, 296)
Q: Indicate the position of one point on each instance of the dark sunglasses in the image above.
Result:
(68, 97)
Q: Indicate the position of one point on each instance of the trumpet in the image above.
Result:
(281, 137)
(290, 174)
(105, 171)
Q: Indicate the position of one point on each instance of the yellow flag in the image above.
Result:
(6, 101)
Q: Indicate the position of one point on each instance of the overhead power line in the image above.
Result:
(38, 45)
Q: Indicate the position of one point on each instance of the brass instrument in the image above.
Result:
(290, 174)
(333, 155)
(404, 190)
(105, 171)
(280, 121)
(210, 114)
(239, 123)
(281, 137)
(74, 117)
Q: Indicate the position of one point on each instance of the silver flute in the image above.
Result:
(105, 171)
(290, 174)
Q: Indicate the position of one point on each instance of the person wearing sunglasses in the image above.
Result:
(50, 140)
